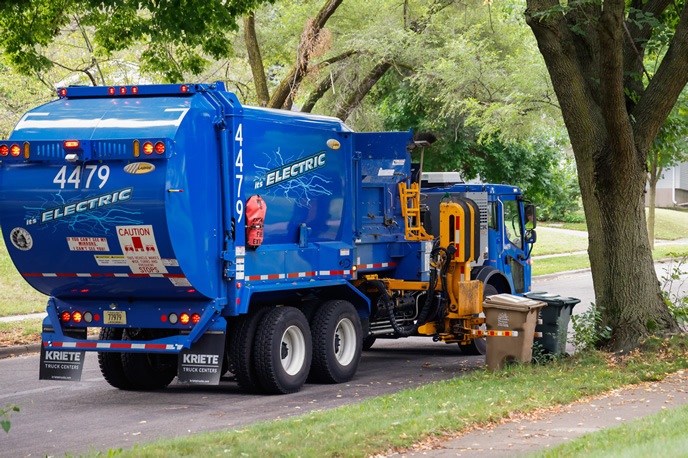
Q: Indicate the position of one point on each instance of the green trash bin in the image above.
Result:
(554, 322)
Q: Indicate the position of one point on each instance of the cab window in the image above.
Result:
(513, 223)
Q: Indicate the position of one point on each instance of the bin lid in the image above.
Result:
(511, 302)
(552, 299)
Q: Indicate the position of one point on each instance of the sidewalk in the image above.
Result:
(541, 430)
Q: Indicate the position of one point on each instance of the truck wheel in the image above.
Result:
(337, 342)
(241, 348)
(282, 351)
(479, 346)
(111, 362)
(148, 371)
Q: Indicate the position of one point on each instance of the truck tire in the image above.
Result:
(282, 351)
(111, 362)
(337, 342)
(479, 346)
(148, 371)
(241, 348)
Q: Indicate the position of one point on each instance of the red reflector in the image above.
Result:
(184, 88)
(238, 285)
(71, 144)
(66, 316)
(123, 90)
(190, 290)
(160, 147)
(96, 317)
(63, 92)
(4, 150)
(148, 148)
(195, 318)
(84, 290)
(15, 150)
(111, 90)
(77, 317)
(134, 90)
(184, 319)
(163, 318)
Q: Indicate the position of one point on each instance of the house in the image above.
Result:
(672, 188)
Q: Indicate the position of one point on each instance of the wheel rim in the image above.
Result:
(293, 352)
(345, 342)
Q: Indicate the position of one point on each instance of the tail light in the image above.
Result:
(123, 90)
(184, 88)
(77, 317)
(4, 150)
(111, 90)
(66, 316)
(160, 147)
(134, 90)
(148, 148)
(184, 319)
(195, 318)
(15, 150)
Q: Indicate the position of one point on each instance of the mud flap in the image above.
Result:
(62, 365)
(202, 363)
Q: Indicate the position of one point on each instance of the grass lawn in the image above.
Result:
(551, 241)
(396, 421)
(16, 296)
(662, 434)
(581, 261)
(669, 224)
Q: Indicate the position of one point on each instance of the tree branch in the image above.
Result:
(356, 96)
(663, 91)
(310, 34)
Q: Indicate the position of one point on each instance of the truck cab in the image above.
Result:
(507, 231)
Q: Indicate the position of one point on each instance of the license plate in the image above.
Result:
(114, 317)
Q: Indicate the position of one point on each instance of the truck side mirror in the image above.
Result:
(531, 236)
(531, 217)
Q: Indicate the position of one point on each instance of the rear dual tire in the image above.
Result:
(337, 342)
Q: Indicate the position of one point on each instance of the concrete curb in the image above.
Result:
(18, 350)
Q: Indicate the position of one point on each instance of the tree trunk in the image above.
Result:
(611, 137)
(652, 179)
(651, 214)
(255, 60)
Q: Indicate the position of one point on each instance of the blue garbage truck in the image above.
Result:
(181, 234)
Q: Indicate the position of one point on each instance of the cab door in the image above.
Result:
(513, 259)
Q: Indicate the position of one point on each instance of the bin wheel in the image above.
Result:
(337, 342)
(479, 346)
(241, 349)
(148, 371)
(283, 350)
(111, 362)
(369, 341)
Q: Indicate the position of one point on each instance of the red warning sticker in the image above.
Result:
(140, 250)
(88, 244)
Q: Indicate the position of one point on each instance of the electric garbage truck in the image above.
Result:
(195, 236)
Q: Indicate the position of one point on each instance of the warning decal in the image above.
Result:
(140, 250)
(110, 260)
(88, 244)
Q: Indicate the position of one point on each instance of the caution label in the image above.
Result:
(88, 244)
(140, 250)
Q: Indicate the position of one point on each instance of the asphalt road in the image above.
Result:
(60, 417)
(66, 417)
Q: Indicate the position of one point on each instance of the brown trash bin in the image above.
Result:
(505, 312)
